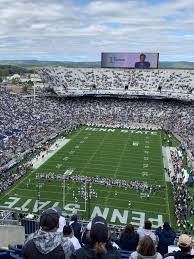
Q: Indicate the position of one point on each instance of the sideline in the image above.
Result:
(45, 155)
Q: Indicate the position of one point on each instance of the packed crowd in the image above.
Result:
(133, 185)
(38, 118)
(169, 83)
(184, 208)
(9, 178)
(57, 238)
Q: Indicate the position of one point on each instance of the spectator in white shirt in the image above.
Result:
(62, 221)
(146, 231)
(68, 233)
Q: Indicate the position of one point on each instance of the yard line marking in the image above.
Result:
(118, 165)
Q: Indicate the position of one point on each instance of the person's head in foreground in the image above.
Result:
(146, 247)
(99, 235)
(49, 220)
(58, 210)
(67, 231)
(185, 243)
(47, 242)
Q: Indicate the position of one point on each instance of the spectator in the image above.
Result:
(85, 237)
(166, 237)
(68, 232)
(129, 239)
(46, 243)
(146, 249)
(62, 221)
(146, 231)
(100, 245)
(76, 227)
(185, 245)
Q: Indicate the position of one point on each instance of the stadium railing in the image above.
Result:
(31, 225)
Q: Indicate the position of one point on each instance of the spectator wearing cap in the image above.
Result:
(166, 237)
(146, 250)
(129, 239)
(76, 227)
(62, 221)
(85, 237)
(46, 243)
(68, 233)
(100, 246)
(146, 231)
(185, 245)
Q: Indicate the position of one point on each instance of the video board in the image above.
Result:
(130, 60)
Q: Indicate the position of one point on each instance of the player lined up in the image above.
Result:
(134, 185)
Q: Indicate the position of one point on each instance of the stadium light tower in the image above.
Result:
(34, 89)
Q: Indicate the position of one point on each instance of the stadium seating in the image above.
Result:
(156, 83)
(124, 253)
(15, 250)
(9, 254)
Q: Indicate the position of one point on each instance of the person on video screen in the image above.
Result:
(142, 63)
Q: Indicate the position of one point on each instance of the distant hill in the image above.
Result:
(177, 65)
(38, 63)
(7, 70)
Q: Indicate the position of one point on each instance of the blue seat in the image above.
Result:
(15, 250)
(9, 254)
(4, 254)
(125, 254)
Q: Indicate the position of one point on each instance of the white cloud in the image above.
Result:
(61, 29)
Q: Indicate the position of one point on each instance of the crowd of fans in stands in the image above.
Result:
(184, 208)
(95, 241)
(116, 81)
(38, 118)
(8, 179)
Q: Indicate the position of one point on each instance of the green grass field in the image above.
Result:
(122, 154)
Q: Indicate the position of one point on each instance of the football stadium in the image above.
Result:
(113, 143)
(96, 153)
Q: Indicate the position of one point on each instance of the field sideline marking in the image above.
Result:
(166, 192)
(38, 163)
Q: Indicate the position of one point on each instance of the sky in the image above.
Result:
(79, 30)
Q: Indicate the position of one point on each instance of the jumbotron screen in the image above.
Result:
(130, 60)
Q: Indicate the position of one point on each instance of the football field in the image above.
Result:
(132, 155)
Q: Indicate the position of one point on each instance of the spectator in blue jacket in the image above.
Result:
(166, 237)
(129, 239)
